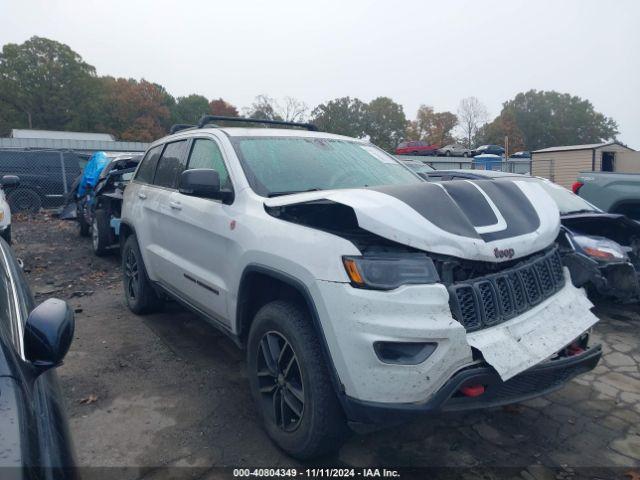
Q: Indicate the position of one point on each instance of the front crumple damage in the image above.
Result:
(536, 335)
(479, 220)
(617, 278)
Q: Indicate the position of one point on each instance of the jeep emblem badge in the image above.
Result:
(504, 253)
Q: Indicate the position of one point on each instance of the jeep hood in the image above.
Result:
(476, 220)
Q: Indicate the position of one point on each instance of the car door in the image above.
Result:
(139, 202)
(162, 242)
(204, 244)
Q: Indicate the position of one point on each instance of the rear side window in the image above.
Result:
(206, 154)
(148, 165)
(171, 164)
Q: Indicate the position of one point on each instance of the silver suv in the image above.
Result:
(361, 293)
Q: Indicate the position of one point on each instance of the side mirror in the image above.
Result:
(201, 182)
(9, 181)
(48, 334)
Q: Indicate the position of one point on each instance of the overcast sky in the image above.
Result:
(416, 52)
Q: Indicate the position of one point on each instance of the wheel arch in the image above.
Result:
(126, 230)
(253, 277)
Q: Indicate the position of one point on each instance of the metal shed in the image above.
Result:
(562, 164)
(81, 142)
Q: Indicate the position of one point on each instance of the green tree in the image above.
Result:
(549, 118)
(386, 123)
(45, 84)
(189, 109)
(343, 116)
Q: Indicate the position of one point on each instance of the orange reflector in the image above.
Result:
(352, 271)
(472, 390)
(598, 253)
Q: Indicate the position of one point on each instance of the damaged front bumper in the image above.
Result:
(539, 380)
(355, 320)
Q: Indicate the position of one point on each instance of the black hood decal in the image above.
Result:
(460, 207)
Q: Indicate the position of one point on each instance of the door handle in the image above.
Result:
(175, 205)
(141, 195)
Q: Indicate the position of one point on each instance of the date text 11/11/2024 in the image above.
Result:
(316, 472)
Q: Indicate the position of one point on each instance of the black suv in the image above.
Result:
(45, 177)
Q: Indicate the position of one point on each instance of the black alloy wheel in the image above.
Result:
(280, 381)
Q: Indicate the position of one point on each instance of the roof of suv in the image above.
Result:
(273, 132)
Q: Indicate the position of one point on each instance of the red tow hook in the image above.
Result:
(574, 349)
(472, 390)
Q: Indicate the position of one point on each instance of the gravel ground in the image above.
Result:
(169, 390)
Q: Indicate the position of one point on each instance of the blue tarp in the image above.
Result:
(91, 173)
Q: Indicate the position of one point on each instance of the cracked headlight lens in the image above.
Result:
(600, 248)
(388, 271)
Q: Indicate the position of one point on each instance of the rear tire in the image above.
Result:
(139, 294)
(101, 237)
(291, 384)
(24, 200)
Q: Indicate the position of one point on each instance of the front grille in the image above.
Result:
(487, 301)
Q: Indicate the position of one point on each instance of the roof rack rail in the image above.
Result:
(180, 126)
(206, 119)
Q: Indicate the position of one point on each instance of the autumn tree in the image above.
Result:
(134, 110)
(222, 108)
(344, 116)
(472, 114)
(189, 109)
(44, 84)
(432, 127)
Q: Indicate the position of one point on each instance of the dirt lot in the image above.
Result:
(168, 389)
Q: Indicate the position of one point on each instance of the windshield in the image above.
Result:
(283, 165)
(567, 201)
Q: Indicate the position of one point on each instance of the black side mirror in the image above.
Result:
(48, 334)
(202, 182)
(10, 181)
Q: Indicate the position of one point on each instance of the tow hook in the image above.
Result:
(574, 349)
(472, 390)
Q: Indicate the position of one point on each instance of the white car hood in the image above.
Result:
(476, 220)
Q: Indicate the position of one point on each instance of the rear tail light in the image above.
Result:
(576, 187)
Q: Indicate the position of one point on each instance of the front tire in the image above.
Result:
(139, 294)
(291, 384)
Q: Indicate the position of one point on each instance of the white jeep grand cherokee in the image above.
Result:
(361, 293)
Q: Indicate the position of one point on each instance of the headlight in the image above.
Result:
(600, 248)
(386, 272)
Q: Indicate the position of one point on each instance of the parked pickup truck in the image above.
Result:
(611, 192)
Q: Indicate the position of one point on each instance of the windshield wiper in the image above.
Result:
(292, 192)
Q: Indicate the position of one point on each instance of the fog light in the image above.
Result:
(404, 353)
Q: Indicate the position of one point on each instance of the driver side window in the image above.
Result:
(206, 154)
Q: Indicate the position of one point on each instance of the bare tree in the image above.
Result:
(293, 110)
(472, 114)
(268, 108)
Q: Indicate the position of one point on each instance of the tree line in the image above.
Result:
(45, 84)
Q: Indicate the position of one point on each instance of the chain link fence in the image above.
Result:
(45, 177)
